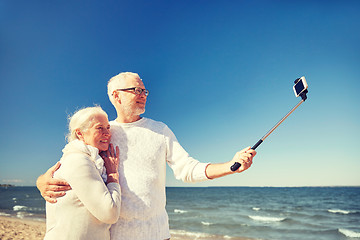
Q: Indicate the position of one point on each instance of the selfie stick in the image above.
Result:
(236, 165)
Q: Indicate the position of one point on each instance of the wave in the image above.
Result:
(4, 214)
(179, 211)
(182, 234)
(267, 219)
(195, 235)
(19, 208)
(256, 208)
(23, 215)
(206, 223)
(349, 233)
(341, 211)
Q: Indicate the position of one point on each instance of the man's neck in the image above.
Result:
(123, 119)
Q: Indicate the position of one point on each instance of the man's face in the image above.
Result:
(132, 103)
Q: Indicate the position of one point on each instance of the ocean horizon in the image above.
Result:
(301, 213)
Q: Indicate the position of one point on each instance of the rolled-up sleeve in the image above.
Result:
(185, 168)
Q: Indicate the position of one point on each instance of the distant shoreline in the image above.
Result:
(7, 185)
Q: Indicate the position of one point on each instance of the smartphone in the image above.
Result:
(300, 86)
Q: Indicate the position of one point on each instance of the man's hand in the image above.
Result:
(244, 157)
(51, 188)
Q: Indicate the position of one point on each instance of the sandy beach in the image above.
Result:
(25, 229)
(18, 229)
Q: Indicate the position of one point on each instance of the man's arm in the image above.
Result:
(51, 188)
(244, 157)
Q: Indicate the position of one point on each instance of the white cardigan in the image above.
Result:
(145, 148)
(86, 211)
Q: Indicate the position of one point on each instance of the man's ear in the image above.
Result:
(116, 96)
(79, 134)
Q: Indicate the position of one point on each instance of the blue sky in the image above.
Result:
(220, 75)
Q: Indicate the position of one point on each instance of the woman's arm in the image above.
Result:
(102, 201)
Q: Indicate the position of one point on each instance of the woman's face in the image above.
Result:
(98, 135)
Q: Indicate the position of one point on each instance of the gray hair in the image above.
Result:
(115, 81)
(82, 119)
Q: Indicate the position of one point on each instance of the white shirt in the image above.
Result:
(145, 147)
(87, 211)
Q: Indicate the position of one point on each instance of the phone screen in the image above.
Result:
(299, 86)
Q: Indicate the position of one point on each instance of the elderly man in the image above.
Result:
(145, 148)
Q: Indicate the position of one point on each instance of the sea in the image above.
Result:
(266, 213)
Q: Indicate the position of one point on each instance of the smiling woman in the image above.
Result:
(93, 203)
(94, 131)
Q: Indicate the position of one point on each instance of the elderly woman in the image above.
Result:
(93, 203)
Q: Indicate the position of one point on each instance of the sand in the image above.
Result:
(18, 229)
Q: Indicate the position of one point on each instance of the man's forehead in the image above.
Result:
(133, 81)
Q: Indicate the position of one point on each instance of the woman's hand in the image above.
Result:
(111, 162)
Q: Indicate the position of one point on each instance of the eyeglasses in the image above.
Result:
(136, 90)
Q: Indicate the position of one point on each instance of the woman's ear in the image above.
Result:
(79, 134)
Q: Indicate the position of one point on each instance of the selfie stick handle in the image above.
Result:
(236, 165)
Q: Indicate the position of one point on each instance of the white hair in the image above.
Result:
(82, 120)
(115, 81)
